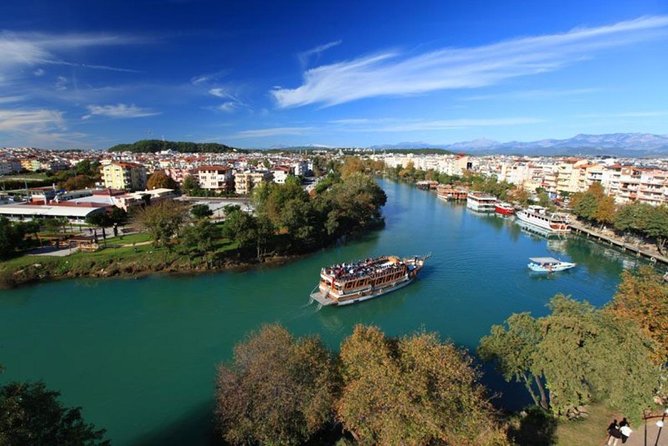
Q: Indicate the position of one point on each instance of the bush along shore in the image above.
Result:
(287, 222)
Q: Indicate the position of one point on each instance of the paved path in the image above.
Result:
(52, 252)
(637, 438)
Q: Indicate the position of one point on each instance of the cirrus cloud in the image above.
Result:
(119, 111)
(393, 73)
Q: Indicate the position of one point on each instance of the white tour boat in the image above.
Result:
(549, 265)
(349, 283)
(539, 216)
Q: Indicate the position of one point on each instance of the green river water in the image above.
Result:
(140, 356)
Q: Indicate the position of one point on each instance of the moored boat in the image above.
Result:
(539, 216)
(549, 265)
(481, 202)
(504, 208)
(350, 283)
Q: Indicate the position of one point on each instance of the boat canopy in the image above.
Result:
(544, 260)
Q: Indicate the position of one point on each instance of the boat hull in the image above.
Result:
(541, 223)
(362, 295)
(503, 210)
(551, 269)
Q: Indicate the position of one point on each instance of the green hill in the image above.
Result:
(156, 145)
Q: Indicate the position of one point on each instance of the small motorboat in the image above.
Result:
(549, 265)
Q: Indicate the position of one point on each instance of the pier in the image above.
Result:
(639, 250)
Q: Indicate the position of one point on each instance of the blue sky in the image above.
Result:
(349, 73)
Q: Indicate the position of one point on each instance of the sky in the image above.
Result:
(94, 73)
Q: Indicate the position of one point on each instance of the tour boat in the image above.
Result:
(481, 202)
(504, 208)
(349, 283)
(549, 265)
(539, 216)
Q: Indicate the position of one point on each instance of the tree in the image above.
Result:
(247, 230)
(201, 211)
(160, 180)
(605, 211)
(190, 186)
(657, 226)
(11, 238)
(279, 389)
(583, 354)
(163, 220)
(642, 297)
(513, 347)
(352, 204)
(586, 204)
(30, 414)
(100, 220)
(55, 224)
(88, 168)
(199, 238)
(414, 390)
(78, 182)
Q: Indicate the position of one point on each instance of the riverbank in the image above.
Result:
(125, 261)
(608, 237)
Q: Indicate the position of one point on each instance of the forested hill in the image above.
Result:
(156, 145)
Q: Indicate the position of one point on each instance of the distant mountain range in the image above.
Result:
(613, 144)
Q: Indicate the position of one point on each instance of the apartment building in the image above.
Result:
(217, 178)
(8, 167)
(280, 174)
(244, 182)
(124, 176)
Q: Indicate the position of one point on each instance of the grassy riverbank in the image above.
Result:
(119, 258)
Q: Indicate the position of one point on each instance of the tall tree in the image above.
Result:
(160, 180)
(513, 346)
(31, 415)
(657, 226)
(190, 186)
(583, 354)
(163, 220)
(279, 390)
(201, 211)
(642, 297)
(412, 391)
(11, 238)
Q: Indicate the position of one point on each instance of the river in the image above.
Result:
(140, 356)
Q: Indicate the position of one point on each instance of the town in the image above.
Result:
(123, 176)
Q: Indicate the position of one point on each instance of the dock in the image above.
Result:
(612, 241)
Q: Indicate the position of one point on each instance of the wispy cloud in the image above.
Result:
(315, 52)
(274, 131)
(30, 120)
(208, 77)
(232, 101)
(7, 99)
(61, 83)
(395, 73)
(533, 94)
(423, 125)
(220, 92)
(21, 49)
(119, 111)
(228, 107)
(629, 114)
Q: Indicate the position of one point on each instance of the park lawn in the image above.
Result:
(590, 431)
(32, 176)
(129, 239)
